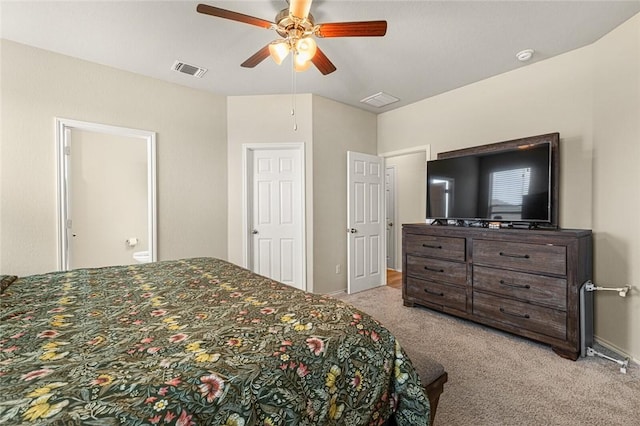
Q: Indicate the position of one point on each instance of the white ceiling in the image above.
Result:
(430, 47)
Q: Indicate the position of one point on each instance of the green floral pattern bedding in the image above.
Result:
(195, 342)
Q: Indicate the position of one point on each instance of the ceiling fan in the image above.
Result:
(297, 28)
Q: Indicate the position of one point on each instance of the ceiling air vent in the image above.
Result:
(379, 100)
(188, 69)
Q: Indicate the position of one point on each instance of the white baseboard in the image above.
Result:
(615, 348)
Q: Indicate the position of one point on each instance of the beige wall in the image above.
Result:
(591, 97)
(550, 96)
(38, 86)
(328, 129)
(266, 119)
(337, 128)
(616, 184)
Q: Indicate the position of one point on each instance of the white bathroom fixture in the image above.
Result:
(142, 256)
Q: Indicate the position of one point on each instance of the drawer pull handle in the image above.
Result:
(525, 316)
(503, 282)
(517, 256)
(433, 292)
(433, 269)
(431, 246)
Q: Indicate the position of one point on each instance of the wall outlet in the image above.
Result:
(338, 268)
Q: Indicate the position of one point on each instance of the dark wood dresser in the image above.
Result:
(526, 282)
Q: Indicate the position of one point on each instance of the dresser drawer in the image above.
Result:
(439, 294)
(527, 257)
(538, 319)
(437, 270)
(548, 291)
(435, 246)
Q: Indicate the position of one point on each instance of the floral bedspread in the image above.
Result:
(195, 342)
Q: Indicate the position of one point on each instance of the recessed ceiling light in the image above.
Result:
(379, 100)
(524, 55)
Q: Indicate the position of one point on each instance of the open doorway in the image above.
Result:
(394, 278)
(408, 202)
(390, 208)
(106, 195)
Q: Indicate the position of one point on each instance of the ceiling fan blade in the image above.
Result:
(256, 58)
(300, 8)
(352, 29)
(234, 16)
(323, 63)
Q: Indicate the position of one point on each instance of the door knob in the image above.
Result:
(255, 231)
(352, 230)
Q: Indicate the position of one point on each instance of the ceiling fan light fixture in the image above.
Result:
(279, 50)
(306, 48)
(300, 63)
(296, 25)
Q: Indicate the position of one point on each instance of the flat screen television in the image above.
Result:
(512, 182)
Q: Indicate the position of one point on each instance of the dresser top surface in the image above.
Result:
(481, 232)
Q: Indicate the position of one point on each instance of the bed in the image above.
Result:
(195, 342)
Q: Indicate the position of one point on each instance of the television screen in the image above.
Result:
(508, 185)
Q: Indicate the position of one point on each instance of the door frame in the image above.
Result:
(63, 127)
(391, 257)
(415, 150)
(247, 200)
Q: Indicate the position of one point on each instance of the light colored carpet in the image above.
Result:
(499, 379)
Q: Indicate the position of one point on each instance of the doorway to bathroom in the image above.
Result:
(106, 197)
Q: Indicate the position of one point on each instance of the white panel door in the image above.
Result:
(366, 221)
(277, 199)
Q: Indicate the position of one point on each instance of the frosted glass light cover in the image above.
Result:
(278, 51)
(300, 63)
(306, 48)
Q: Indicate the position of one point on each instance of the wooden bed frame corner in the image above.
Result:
(434, 389)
